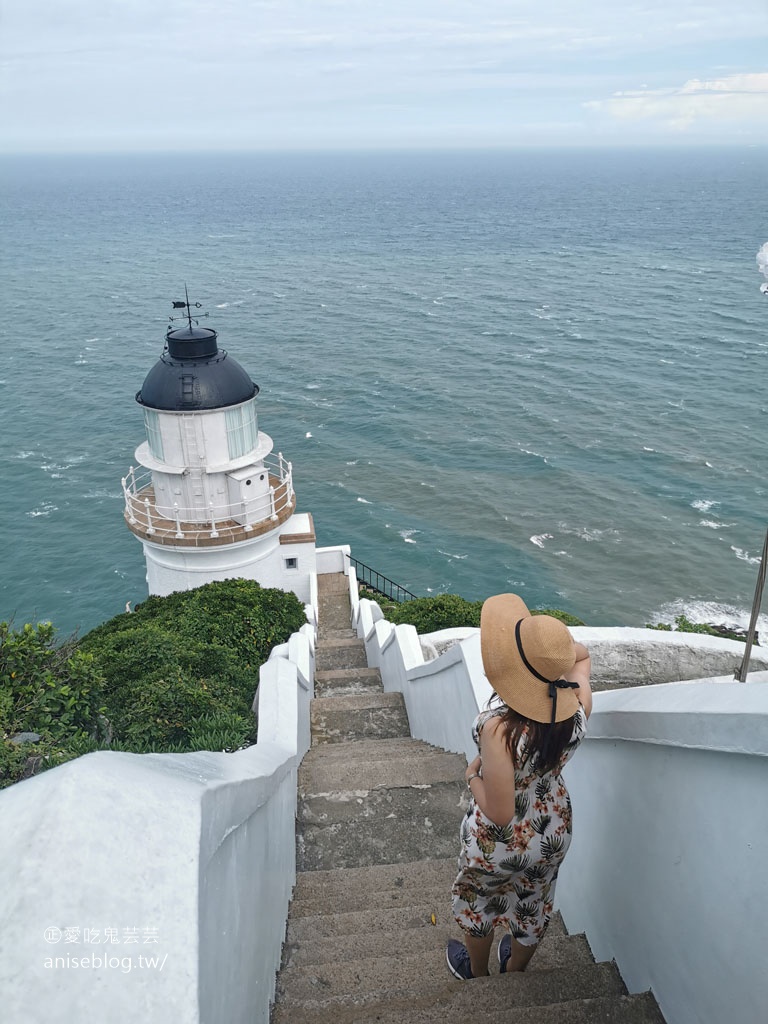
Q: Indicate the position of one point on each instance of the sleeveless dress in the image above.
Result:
(507, 874)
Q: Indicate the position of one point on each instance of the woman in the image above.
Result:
(518, 826)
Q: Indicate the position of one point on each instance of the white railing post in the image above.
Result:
(179, 533)
(289, 482)
(148, 510)
(128, 503)
(273, 513)
(214, 531)
(246, 524)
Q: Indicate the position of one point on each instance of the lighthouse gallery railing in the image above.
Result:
(222, 520)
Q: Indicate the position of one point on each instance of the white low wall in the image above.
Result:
(333, 559)
(666, 872)
(186, 858)
(670, 789)
(625, 656)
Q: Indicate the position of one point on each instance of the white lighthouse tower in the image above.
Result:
(211, 501)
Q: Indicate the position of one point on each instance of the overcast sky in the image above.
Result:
(308, 74)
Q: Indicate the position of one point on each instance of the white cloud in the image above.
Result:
(733, 98)
(81, 71)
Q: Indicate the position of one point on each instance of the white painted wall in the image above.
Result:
(199, 846)
(260, 558)
(670, 793)
(333, 559)
(624, 656)
(666, 872)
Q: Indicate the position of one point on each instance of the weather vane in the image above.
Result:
(189, 306)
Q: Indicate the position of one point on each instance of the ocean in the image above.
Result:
(535, 371)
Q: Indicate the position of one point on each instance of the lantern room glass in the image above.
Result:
(242, 429)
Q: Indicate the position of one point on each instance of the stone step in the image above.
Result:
(336, 631)
(366, 750)
(335, 654)
(343, 922)
(390, 809)
(383, 878)
(360, 973)
(334, 613)
(339, 992)
(364, 716)
(386, 826)
(323, 923)
(332, 583)
(420, 769)
(338, 682)
(358, 900)
(616, 1009)
(554, 951)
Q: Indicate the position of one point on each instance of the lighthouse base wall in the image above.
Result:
(284, 559)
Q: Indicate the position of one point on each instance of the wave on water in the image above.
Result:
(308, 434)
(407, 535)
(714, 525)
(744, 556)
(222, 305)
(536, 455)
(43, 510)
(702, 505)
(590, 534)
(449, 555)
(539, 539)
(100, 493)
(715, 612)
(363, 501)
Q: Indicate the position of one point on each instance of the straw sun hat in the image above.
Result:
(525, 658)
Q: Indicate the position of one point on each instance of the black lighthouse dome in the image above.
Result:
(193, 373)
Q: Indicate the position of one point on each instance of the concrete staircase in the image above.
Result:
(377, 844)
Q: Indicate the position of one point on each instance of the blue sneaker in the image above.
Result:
(505, 952)
(457, 958)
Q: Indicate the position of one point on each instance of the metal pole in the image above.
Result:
(741, 671)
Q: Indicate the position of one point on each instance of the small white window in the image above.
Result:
(154, 437)
(291, 563)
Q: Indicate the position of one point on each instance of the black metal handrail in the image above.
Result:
(380, 584)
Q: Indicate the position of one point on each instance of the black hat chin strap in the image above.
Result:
(553, 684)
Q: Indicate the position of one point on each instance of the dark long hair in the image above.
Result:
(544, 744)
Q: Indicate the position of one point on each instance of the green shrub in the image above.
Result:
(177, 674)
(685, 625)
(46, 688)
(556, 613)
(54, 691)
(446, 611)
(443, 611)
(183, 669)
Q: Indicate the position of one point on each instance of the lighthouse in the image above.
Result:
(208, 499)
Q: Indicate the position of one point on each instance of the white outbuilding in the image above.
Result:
(210, 500)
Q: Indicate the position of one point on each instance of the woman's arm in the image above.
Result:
(494, 793)
(580, 674)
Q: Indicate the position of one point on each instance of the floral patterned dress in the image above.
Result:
(507, 874)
